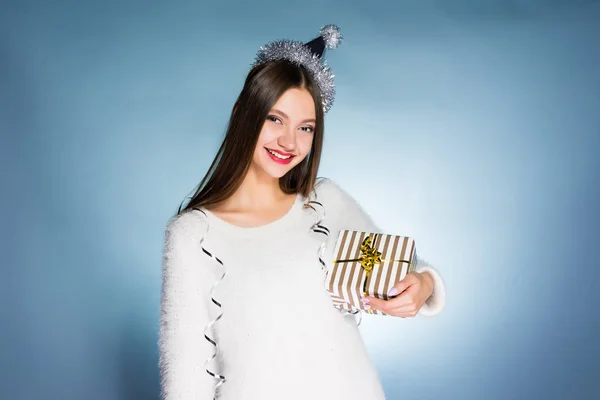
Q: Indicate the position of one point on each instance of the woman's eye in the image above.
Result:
(308, 129)
(274, 119)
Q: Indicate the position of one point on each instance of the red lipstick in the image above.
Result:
(277, 159)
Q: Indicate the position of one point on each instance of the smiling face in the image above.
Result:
(287, 135)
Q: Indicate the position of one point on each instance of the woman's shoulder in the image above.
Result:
(342, 208)
(328, 190)
(189, 225)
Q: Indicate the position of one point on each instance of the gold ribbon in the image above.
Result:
(369, 256)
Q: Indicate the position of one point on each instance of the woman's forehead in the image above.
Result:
(296, 104)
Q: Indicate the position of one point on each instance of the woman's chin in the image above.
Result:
(270, 172)
(275, 170)
(278, 174)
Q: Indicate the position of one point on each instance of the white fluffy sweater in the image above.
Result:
(279, 336)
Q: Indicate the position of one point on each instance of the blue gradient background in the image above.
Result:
(472, 125)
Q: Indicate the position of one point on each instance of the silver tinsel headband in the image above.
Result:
(307, 55)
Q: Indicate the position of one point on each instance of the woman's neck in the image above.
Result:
(256, 194)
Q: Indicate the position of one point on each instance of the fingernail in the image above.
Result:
(365, 300)
(393, 291)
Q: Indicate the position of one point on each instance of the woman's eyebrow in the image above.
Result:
(284, 115)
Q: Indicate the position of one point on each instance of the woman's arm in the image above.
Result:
(344, 211)
(184, 313)
(436, 302)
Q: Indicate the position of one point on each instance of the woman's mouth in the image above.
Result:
(278, 157)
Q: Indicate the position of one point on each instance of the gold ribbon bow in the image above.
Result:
(369, 255)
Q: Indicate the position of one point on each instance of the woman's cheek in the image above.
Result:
(306, 144)
(269, 135)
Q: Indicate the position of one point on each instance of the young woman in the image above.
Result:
(244, 310)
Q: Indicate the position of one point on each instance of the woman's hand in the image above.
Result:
(410, 295)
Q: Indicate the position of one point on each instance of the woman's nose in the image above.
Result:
(287, 139)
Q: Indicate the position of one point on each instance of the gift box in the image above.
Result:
(368, 263)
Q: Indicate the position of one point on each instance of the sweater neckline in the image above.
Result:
(232, 229)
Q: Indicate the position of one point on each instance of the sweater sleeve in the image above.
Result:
(184, 313)
(348, 214)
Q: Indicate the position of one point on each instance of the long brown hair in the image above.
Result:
(264, 85)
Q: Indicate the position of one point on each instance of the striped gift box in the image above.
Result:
(368, 262)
